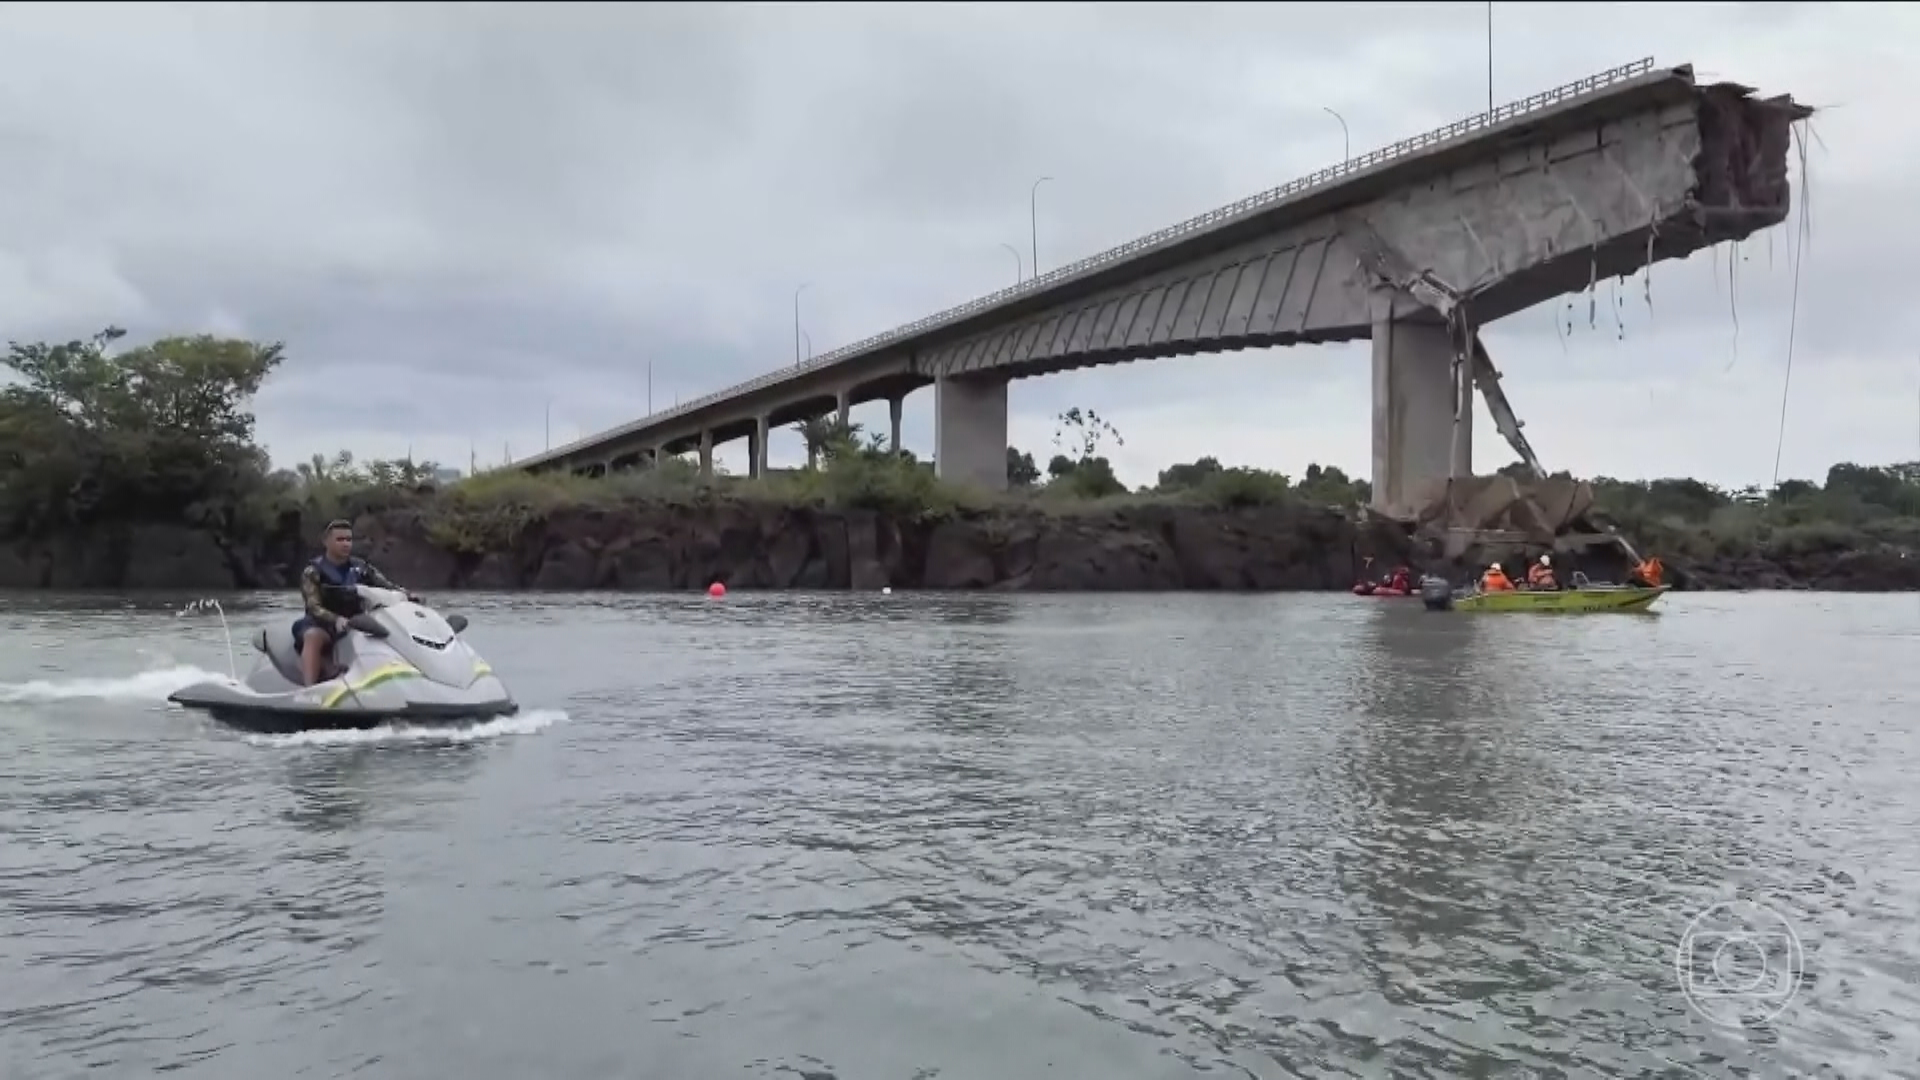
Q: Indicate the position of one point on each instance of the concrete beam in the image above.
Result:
(970, 431)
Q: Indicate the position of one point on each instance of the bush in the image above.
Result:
(869, 477)
(1236, 488)
(1812, 538)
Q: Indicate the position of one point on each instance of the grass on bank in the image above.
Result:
(1857, 509)
(491, 510)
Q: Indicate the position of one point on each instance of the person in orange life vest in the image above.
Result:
(1495, 580)
(1647, 574)
(1540, 575)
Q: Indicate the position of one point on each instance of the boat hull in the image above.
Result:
(271, 719)
(1564, 601)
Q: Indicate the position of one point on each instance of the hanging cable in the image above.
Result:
(1733, 301)
(1793, 305)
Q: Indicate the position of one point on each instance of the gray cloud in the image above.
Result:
(458, 214)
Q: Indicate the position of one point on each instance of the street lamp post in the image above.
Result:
(1346, 139)
(1018, 270)
(1033, 210)
(796, 322)
(1489, 60)
(809, 338)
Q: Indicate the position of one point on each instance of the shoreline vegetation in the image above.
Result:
(125, 467)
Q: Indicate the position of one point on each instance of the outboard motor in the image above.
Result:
(1435, 592)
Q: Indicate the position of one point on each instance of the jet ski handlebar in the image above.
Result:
(375, 599)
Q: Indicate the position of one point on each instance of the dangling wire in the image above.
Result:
(1733, 300)
(1793, 306)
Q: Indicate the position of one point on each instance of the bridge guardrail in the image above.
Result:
(1248, 205)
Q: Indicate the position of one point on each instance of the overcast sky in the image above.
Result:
(461, 216)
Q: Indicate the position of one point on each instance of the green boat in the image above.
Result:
(1586, 599)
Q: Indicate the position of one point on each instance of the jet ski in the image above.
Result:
(399, 660)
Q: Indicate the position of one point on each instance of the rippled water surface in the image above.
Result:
(907, 837)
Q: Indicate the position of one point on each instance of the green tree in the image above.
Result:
(1079, 469)
(162, 431)
(1331, 486)
(1021, 470)
(1082, 429)
(1189, 476)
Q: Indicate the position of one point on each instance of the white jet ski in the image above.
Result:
(399, 660)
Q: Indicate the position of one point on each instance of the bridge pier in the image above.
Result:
(706, 455)
(970, 430)
(843, 404)
(757, 448)
(1416, 382)
(893, 418)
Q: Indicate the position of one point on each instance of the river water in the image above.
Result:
(906, 837)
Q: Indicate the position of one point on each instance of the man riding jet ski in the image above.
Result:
(329, 590)
(394, 659)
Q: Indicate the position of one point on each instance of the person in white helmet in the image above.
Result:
(1495, 580)
(1540, 574)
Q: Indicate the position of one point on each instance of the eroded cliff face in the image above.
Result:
(759, 547)
(643, 547)
(660, 548)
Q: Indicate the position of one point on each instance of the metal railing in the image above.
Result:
(1249, 205)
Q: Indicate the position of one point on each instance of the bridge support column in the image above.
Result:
(970, 431)
(1415, 385)
(757, 448)
(706, 455)
(843, 402)
(893, 418)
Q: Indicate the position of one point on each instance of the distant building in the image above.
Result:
(446, 474)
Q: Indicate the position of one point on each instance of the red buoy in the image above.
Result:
(716, 590)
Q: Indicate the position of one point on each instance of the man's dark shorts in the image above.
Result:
(305, 623)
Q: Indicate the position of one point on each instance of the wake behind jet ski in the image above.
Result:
(399, 660)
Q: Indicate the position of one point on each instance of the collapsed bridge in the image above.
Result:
(1414, 246)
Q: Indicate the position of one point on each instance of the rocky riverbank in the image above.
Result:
(657, 547)
(641, 547)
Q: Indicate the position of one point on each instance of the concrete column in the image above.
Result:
(970, 430)
(1414, 389)
(893, 417)
(706, 454)
(843, 401)
(757, 449)
(655, 456)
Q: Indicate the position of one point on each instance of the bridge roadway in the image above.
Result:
(1412, 246)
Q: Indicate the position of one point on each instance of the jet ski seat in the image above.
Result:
(276, 643)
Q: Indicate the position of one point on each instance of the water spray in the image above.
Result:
(226, 633)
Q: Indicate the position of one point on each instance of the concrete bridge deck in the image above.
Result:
(1412, 246)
